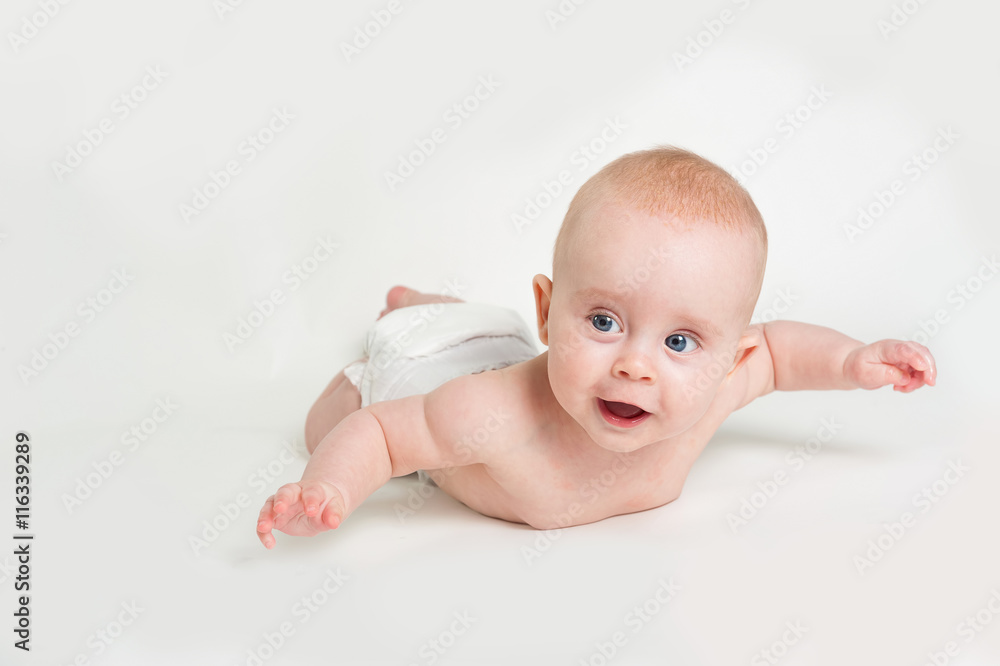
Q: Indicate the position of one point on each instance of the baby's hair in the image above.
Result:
(668, 182)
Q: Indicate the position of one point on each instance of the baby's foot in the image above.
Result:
(401, 297)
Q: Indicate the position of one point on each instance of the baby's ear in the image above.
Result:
(542, 286)
(749, 343)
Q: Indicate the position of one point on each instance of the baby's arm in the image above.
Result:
(808, 357)
(371, 445)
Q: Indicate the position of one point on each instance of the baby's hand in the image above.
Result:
(300, 509)
(906, 365)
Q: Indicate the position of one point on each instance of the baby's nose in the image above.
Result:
(634, 365)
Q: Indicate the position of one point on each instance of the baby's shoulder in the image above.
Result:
(494, 405)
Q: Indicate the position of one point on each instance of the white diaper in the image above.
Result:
(414, 350)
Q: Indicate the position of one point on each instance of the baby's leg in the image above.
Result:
(401, 297)
(341, 397)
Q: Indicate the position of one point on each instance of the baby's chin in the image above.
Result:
(622, 447)
(625, 443)
(634, 439)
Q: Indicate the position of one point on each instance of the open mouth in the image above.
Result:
(622, 414)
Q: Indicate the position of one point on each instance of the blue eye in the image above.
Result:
(604, 323)
(681, 343)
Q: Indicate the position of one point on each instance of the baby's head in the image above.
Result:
(656, 271)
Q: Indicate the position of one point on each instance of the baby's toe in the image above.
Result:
(398, 297)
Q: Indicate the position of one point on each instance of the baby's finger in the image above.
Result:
(912, 382)
(265, 521)
(897, 378)
(919, 373)
(917, 357)
(267, 511)
(333, 514)
(286, 496)
(313, 497)
(928, 366)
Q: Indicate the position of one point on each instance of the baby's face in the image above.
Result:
(649, 314)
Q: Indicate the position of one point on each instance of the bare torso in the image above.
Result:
(549, 474)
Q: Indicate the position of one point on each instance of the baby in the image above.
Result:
(656, 271)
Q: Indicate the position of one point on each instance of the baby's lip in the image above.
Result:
(629, 420)
(623, 404)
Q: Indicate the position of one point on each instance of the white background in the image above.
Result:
(64, 234)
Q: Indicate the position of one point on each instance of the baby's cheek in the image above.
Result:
(567, 355)
(571, 381)
(695, 391)
(566, 345)
(560, 378)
